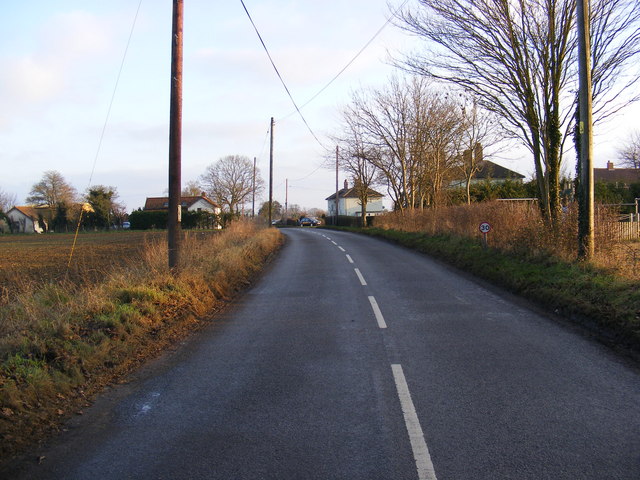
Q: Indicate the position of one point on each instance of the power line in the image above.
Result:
(280, 76)
(349, 63)
(104, 126)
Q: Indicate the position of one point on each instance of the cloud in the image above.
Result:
(66, 43)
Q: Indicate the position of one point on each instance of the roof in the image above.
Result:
(616, 175)
(494, 171)
(352, 193)
(162, 203)
(32, 212)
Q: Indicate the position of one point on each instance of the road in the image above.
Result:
(352, 358)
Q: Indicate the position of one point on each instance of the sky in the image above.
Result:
(63, 108)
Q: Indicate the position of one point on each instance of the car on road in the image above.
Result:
(308, 222)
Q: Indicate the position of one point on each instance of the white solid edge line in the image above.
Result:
(377, 312)
(360, 277)
(416, 437)
(349, 258)
(342, 249)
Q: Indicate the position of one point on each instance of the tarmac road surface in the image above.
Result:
(352, 358)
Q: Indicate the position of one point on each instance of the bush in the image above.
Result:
(158, 219)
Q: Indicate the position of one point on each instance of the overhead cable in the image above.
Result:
(104, 126)
(280, 76)
(350, 61)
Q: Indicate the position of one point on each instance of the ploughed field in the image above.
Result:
(34, 259)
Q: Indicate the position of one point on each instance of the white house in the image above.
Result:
(198, 203)
(349, 204)
(29, 219)
(191, 204)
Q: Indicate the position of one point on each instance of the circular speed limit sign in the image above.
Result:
(485, 227)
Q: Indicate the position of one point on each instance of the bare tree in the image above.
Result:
(229, 181)
(191, 189)
(479, 133)
(629, 153)
(52, 191)
(357, 159)
(409, 133)
(518, 60)
(7, 200)
(436, 133)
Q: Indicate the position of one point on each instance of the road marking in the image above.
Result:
(377, 312)
(362, 281)
(349, 258)
(416, 437)
(334, 242)
(342, 249)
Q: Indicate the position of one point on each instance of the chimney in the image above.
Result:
(346, 184)
(609, 165)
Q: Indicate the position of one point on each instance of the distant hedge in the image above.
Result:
(157, 219)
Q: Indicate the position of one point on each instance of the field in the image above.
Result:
(43, 258)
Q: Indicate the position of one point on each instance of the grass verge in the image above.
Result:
(62, 342)
(606, 304)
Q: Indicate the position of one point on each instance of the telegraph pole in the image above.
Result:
(175, 137)
(286, 199)
(337, 201)
(586, 241)
(253, 190)
(271, 172)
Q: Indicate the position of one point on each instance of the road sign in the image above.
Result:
(485, 227)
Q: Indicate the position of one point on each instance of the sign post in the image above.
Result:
(485, 227)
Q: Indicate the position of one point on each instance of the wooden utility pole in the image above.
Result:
(271, 173)
(586, 241)
(175, 137)
(337, 196)
(286, 199)
(253, 190)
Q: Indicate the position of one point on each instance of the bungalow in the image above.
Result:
(29, 219)
(349, 203)
(492, 173)
(622, 177)
(198, 203)
(189, 203)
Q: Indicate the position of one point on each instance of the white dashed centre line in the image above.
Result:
(349, 258)
(342, 249)
(360, 277)
(334, 242)
(416, 436)
(377, 312)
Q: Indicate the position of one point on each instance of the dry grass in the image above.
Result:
(519, 228)
(62, 336)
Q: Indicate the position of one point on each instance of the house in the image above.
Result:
(190, 203)
(349, 204)
(198, 203)
(622, 177)
(492, 173)
(28, 219)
